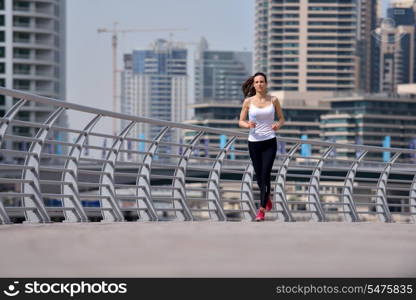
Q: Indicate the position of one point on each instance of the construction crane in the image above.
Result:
(114, 37)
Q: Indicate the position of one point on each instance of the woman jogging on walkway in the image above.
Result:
(262, 145)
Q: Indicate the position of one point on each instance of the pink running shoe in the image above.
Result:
(260, 216)
(269, 204)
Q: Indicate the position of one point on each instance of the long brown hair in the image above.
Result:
(248, 88)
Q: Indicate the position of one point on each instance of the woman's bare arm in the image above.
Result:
(279, 113)
(243, 116)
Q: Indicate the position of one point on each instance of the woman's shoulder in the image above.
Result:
(274, 100)
(247, 101)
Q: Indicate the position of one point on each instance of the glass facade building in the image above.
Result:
(220, 74)
(154, 85)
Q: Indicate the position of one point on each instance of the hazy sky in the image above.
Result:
(226, 24)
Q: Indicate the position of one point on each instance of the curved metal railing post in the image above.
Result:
(39, 213)
(216, 210)
(144, 189)
(178, 182)
(412, 200)
(77, 212)
(4, 217)
(349, 208)
(10, 114)
(280, 199)
(313, 199)
(247, 200)
(382, 206)
(107, 185)
(4, 125)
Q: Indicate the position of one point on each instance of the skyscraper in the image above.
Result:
(397, 44)
(154, 85)
(367, 51)
(220, 74)
(307, 45)
(32, 54)
(261, 35)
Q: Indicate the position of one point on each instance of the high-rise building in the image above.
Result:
(261, 35)
(307, 45)
(220, 74)
(379, 10)
(218, 96)
(32, 55)
(367, 51)
(397, 46)
(154, 85)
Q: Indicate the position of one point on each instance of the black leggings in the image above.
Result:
(262, 155)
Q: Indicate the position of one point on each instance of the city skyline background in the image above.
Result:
(227, 25)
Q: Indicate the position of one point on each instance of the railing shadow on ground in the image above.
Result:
(50, 172)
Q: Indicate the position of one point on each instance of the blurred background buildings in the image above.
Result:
(344, 70)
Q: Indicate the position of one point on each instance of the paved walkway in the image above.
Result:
(208, 249)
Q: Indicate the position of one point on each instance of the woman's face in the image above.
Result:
(260, 84)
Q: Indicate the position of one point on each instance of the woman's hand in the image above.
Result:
(275, 125)
(251, 124)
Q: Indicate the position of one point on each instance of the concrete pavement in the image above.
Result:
(208, 249)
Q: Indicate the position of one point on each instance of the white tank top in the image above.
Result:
(264, 118)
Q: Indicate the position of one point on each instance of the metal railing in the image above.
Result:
(52, 172)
